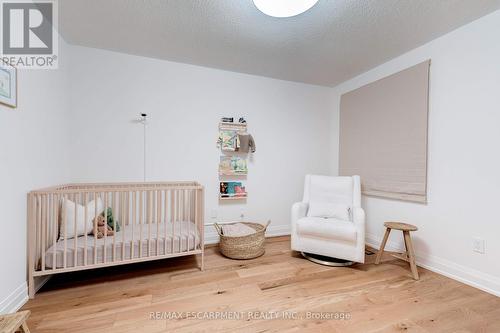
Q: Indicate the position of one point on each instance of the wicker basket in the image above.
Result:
(243, 247)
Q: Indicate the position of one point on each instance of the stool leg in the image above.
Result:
(24, 328)
(382, 246)
(411, 254)
(406, 254)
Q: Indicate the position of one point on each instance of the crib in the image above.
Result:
(151, 221)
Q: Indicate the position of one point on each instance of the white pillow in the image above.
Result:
(82, 226)
(329, 210)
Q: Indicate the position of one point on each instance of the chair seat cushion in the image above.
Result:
(330, 228)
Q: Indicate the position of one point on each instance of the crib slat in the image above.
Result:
(158, 218)
(150, 209)
(54, 232)
(181, 217)
(38, 223)
(43, 227)
(188, 226)
(140, 222)
(104, 250)
(165, 218)
(121, 204)
(95, 228)
(85, 214)
(113, 211)
(172, 216)
(49, 225)
(75, 239)
(189, 220)
(65, 253)
(200, 207)
(180, 207)
(134, 217)
(195, 217)
(197, 213)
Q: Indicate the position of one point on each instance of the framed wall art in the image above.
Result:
(8, 84)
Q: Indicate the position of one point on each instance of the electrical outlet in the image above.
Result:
(478, 245)
(242, 215)
(213, 213)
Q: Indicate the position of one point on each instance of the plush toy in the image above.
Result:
(111, 220)
(101, 227)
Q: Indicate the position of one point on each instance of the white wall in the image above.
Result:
(464, 160)
(289, 121)
(33, 154)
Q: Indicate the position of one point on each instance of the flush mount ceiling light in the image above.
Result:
(284, 8)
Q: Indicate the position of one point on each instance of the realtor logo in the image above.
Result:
(29, 37)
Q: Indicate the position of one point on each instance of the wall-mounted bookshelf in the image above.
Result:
(231, 164)
(228, 135)
(232, 189)
(231, 198)
(231, 174)
(232, 126)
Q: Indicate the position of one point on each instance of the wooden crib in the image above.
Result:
(151, 221)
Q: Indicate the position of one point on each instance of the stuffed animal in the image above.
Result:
(111, 220)
(101, 227)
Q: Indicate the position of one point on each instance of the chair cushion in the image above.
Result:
(333, 229)
(329, 210)
(337, 190)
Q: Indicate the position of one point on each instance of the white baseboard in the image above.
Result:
(469, 276)
(15, 300)
(19, 297)
(211, 236)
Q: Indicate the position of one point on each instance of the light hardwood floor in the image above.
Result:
(382, 298)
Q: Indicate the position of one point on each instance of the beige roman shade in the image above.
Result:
(383, 135)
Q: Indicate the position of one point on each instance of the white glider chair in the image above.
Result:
(329, 221)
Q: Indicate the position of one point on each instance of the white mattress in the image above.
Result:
(184, 234)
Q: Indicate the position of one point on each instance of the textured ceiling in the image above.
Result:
(334, 41)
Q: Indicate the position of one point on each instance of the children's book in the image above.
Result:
(232, 189)
(232, 165)
(227, 140)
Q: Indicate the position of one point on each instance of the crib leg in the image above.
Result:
(31, 286)
(202, 263)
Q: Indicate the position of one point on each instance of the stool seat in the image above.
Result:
(10, 323)
(400, 226)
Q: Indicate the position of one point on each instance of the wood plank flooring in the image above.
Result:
(278, 292)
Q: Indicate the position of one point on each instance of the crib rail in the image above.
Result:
(149, 221)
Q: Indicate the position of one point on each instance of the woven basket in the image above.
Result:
(243, 247)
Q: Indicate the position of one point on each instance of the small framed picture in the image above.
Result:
(8, 84)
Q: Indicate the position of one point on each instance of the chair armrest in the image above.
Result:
(299, 210)
(358, 217)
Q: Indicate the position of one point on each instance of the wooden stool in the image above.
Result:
(12, 322)
(409, 256)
